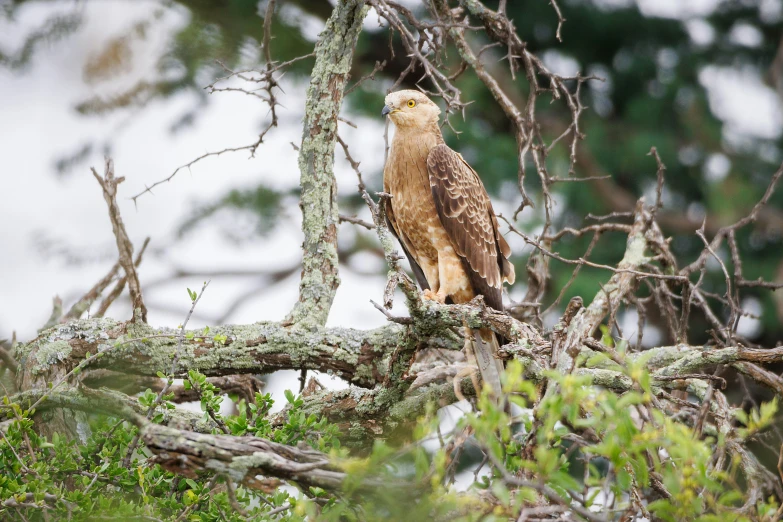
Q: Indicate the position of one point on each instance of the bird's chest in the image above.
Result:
(407, 180)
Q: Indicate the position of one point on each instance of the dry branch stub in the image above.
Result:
(109, 183)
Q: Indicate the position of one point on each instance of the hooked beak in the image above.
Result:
(386, 110)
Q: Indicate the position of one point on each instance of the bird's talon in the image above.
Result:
(433, 296)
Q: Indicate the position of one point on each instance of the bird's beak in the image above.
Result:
(386, 110)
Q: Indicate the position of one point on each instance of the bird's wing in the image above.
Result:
(467, 216)
(391, 222)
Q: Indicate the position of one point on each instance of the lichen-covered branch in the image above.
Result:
(318, 200)
(358, 356)
(432, 317)
(365, 415)
(240, 458)
(106, 402)
(361, 357)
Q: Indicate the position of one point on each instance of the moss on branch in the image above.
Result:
(358, 356)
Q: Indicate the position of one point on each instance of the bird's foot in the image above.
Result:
(433, 296)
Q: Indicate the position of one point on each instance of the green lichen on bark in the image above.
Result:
(382, 413)
(360, 357)
(49, 354)
(433, 319)
(54, 345)
(697, 360)
(318, 200)
(606, 378)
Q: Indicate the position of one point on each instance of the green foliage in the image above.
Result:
(624, 456)
(87, 480)
(758, 419)
(582, 442)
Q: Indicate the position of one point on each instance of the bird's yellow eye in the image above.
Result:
(411, 103)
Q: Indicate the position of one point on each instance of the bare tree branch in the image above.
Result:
(120, 286)
(124, 246)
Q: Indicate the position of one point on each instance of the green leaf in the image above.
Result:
(189, 497)
(623, 479)
(501, 492)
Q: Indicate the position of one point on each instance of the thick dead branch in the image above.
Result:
(241, 458)
(358, 356)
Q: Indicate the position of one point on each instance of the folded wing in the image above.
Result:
(467, 216)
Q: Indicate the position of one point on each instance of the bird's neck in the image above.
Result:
(428, 136)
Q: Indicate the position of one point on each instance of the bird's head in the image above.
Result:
(410, 108)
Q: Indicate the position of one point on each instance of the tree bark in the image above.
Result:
(318, 201)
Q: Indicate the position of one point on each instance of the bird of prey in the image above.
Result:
(441, 215)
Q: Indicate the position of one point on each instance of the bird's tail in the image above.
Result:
(485, 348)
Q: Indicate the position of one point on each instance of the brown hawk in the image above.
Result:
(443, 218)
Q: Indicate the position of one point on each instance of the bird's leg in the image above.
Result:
(434, 296)
(452, 280)
(431, 273)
